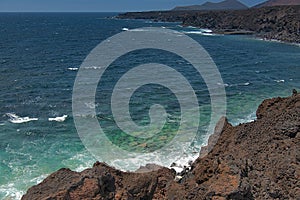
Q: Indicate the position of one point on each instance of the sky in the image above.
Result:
(99, 5)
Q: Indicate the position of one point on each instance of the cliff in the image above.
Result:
(279, 22)
(257, 160)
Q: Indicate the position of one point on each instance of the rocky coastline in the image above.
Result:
(272, 23)
(255, 160)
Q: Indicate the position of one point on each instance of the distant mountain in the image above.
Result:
(278, 3)
(224, 5)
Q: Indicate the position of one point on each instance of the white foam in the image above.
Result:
(296, 44)
(92, 67)
(11, 192)
(225, 84)
(58, 119)
(13, 118)
(73, 68)
(177, 169)
(279, 81)
(139, 30)
(85, 115)
(208, 34)
(125, 29)
(237, 84)
(91, 105)
(39, 179)
(242, 84)
(185, 162)
(249, 118)
(134, 161)
(205, 30)
(80, 161)
(194, 32)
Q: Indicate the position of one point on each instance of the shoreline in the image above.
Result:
(225, 169)
(278, 22)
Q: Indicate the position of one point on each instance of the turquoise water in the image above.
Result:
(39, 56)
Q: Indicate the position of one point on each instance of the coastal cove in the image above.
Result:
(41, 55)
(264, 169)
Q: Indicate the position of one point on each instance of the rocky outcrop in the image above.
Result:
(256, 160)
(279, 22)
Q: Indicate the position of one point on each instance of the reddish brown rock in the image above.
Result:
(257, 160)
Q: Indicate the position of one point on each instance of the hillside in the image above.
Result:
(279, 22)
(278, 3)
(224, 5)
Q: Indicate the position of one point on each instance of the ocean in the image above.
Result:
(40, 57)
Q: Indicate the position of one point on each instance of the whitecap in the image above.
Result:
(201, 32)
(73, 68)
(238, 84)
(205, 30)
(193, 32)
(92, 67)
(125, 29)
(208, 34)
(225, 84)
(139, 30)
(280, 81)
(247, 83)
(85, 115)
(13, 118)
(58, 119)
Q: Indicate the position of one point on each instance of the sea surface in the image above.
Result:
(40, 54)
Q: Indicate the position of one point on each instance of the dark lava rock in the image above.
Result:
(278, 3)
(257, 160)
(278, 22)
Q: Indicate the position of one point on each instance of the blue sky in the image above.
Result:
(100, 5)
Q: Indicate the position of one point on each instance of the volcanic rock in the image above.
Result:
(278, 23)
(255, 160)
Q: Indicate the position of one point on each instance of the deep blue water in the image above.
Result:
(39, 54)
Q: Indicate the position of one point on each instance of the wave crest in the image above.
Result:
(13, 118)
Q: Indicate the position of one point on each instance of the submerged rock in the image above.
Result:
(256, 160)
